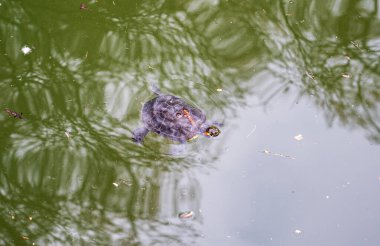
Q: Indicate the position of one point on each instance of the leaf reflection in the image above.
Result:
(82, 87)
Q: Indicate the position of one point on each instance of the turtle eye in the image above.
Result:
(178, 114)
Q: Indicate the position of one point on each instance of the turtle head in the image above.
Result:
(212, 131)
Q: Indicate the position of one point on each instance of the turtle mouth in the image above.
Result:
(187, 115)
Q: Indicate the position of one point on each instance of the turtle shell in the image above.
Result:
(171, 117)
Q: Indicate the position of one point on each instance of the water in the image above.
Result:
(269, 70)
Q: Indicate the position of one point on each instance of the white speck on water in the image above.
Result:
(115, 184)
(26, 50)
(297, 231)
(346, 76)
(252, 131)
(327, 197)
(298, 137)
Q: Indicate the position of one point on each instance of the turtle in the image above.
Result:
(171, 117)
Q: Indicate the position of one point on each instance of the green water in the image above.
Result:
(269, 70)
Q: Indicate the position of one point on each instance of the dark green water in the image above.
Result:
(269, 70)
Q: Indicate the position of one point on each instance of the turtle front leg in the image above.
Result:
(139, 134)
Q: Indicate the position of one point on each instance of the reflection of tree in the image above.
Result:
(73, 178)
(66, 184)
(338, 67)
(88, 75)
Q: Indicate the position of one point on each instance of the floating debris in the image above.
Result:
(186, 215)
(82, 6)
(219, 89)
(122, 181)
(26, 50)
(13, 113)
(23, 237)
(30, 218)
(252, 131)
(267, 152)
(67, 135)
(310, 75)
(298, 137)
(346, 76)
(297, 231)
(355, 44)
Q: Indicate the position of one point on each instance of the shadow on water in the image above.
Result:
(70, 172)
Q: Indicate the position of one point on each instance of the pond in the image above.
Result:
(295, 84)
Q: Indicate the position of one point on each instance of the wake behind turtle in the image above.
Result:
(173, 118)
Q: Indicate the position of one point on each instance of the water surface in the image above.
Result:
(296, 84)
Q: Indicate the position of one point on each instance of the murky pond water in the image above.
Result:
(295, 83)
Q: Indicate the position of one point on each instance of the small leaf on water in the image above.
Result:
(186, 215)
(24, 237)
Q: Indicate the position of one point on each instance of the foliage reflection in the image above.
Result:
(70, 173)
